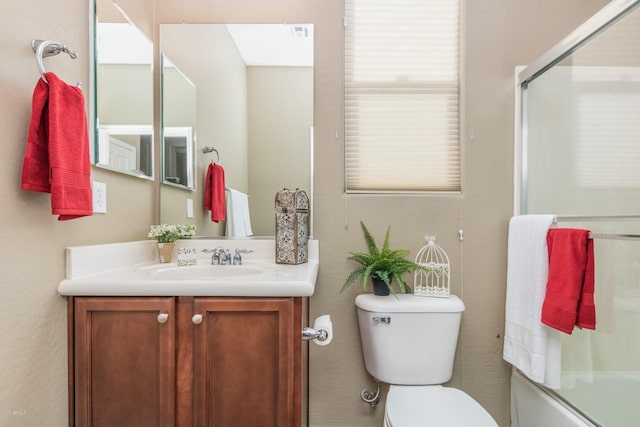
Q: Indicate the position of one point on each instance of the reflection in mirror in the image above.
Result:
(123, 93)
(126, 148)
(254, 92)
(178, 124)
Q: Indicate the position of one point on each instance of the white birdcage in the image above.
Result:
(435, 282)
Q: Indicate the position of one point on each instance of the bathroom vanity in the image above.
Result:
(154, 356)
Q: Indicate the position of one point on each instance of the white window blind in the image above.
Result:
(402, 95)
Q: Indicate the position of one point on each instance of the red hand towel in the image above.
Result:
(208, 183)
(35, 166)
(57, 155)
(586, 307)
(214, 192)
(571, 280)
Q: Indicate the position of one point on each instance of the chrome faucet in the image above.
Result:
(221, 256)
(237, 258)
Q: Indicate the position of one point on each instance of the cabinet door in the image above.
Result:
(246, 366)
(124, 356)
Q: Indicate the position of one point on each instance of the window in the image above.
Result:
(402, 95)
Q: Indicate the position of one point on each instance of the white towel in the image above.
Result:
(238, 220)
(529, 345)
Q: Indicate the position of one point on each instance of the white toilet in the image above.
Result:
(410, 342)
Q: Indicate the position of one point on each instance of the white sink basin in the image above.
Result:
(202, 272)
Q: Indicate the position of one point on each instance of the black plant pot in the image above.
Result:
(379, 287)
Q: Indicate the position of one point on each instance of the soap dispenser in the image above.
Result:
(292, 226)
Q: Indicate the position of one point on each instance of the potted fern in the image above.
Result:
(381, 265)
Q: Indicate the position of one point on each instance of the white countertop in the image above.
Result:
(132, 269)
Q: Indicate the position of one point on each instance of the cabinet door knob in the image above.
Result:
(163, 317)
(197, 319)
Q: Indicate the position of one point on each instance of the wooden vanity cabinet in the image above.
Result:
(122, 362)
(186, 361)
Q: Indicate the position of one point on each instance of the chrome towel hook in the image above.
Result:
(208, 149)
(44, 48)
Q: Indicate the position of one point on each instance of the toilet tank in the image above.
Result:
(409, 339)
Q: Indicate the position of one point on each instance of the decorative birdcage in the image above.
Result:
(435, 281)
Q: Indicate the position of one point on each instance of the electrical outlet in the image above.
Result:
(189, 208)
(99, 197)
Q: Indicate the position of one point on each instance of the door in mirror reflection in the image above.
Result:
(178, 156)
(126, 148)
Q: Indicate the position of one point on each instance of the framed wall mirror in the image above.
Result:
(253, 87)
(123, 93)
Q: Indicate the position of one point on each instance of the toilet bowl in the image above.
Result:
(409, 342)
(437, 406)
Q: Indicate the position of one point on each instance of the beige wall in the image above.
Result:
(498, 35)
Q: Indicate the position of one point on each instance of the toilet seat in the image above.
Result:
(438, 406)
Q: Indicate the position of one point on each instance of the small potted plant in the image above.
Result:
(165, 235)
(382, 266)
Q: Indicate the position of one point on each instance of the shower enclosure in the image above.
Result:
(578, 157)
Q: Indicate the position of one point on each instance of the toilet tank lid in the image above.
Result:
(409, 303)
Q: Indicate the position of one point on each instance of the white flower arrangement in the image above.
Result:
(168, 233)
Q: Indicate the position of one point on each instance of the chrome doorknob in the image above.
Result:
(163, 317)
(197, 319)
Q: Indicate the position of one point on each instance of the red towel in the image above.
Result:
(569, 294)
(57, 159)
(208, 183)
(214, 192)
(586, 307)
